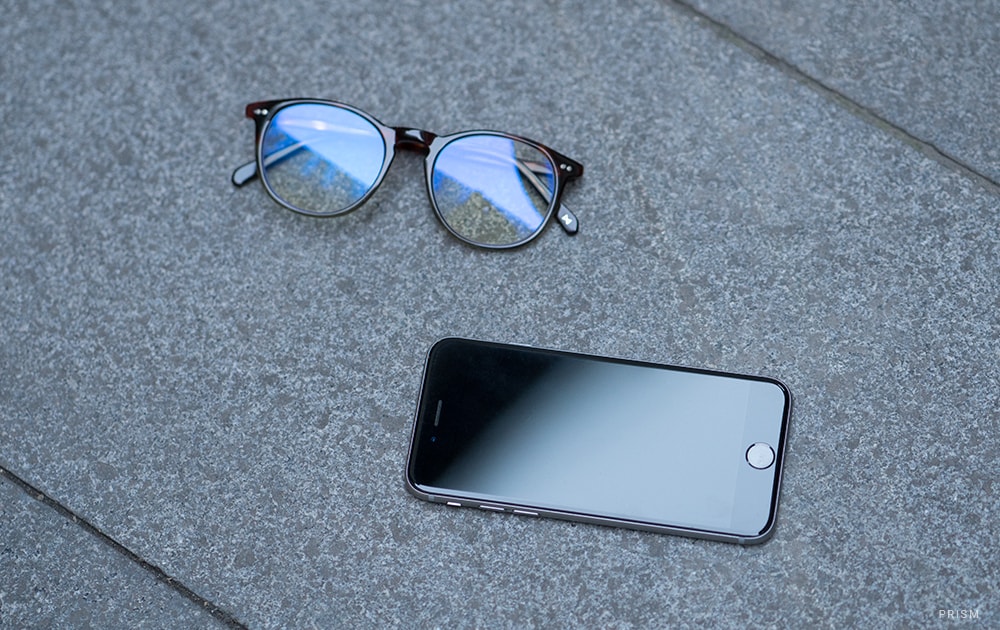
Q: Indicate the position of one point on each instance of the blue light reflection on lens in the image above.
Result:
(321, 158)
(491, 189)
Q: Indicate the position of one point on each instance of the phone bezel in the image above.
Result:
(457, 498)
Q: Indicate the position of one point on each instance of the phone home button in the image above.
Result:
(760, 455)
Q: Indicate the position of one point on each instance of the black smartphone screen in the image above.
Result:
(599, 439)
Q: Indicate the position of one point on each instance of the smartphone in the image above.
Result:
(536, 432)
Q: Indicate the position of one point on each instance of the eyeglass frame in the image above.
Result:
(419, 141)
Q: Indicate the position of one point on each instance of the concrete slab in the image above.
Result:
(927, 68)
(227, 388)
(58, 575)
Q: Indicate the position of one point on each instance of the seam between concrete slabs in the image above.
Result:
(866, 114)
(162, 576)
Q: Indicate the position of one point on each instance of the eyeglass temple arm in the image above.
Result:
(567, 219)
(245, 173)
(248, 172)
(256, 111)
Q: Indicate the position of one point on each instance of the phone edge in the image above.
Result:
(490, 506)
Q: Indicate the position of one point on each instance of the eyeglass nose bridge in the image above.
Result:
(416, 140)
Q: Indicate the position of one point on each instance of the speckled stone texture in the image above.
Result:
(927, 67)
(227, 389)
(57, 575)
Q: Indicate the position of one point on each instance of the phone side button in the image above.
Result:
(454, 504)
(525, 513)
(491, 508)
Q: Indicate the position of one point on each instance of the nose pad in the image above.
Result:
(414, 139)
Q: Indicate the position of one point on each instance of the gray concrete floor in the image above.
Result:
(205, 400)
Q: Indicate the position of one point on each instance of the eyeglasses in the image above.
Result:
(490, 189)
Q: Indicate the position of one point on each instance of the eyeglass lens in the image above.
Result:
(321, 159)
(492, 190)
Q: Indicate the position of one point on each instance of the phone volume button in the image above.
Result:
(525, 513)
(491, 508)
(453, 504)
